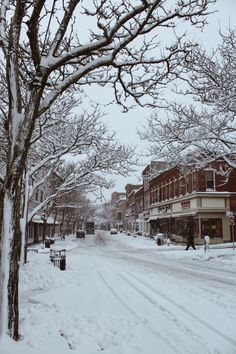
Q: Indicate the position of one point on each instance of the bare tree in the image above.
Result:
(205, 130)
(45, 55)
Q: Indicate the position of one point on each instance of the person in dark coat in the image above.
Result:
(190, 242)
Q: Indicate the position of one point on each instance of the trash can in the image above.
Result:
(159, 241)
(58, 258)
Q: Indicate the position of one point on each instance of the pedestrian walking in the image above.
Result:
(190, 242)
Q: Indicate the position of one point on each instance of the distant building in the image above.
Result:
(151, 171)
(118, 209)
(132, 218)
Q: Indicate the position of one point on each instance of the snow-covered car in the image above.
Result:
(113, 231)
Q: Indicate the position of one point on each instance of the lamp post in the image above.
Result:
(44, 219)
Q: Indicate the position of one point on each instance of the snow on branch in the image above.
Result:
(206, 131)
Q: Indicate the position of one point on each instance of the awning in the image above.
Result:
(50, 220)
(181, 215)
(152, 218)
(38, 219)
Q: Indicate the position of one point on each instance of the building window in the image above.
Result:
(182, 186)
(152, 196)
(212, 227)
(210, 179)
(166, 191)
(156, 195)
(41, 197)
(194, 181)
(161, 194)
(172, 192)
(188, 183)
(37, 195)
(176, 188)
(169, 190)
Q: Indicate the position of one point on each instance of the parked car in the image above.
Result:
(80, 234)
(113, 231)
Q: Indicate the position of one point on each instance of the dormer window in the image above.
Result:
(210, 179)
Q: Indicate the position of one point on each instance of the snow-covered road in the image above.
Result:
(126, 295)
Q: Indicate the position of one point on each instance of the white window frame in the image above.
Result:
(214, 179)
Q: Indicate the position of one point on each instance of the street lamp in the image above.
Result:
(44, 219)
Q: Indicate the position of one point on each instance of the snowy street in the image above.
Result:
(121, 294)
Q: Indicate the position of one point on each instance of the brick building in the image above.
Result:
(151, 170)
(118, 207)
(197, 202)
(132, 217)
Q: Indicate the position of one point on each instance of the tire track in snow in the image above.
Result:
(144, 321)
(166, 267)
(178, 306)
(174, 319)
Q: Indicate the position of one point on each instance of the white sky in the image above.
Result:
(126, 124)
(126, 295)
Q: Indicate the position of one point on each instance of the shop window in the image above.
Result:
(210, 179)
(213, 227)
(182, 225)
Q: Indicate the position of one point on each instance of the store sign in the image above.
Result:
(185, 205)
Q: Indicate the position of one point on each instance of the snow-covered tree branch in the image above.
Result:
(205, 130)
(52, 49)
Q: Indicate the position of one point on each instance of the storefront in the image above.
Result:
(197, 215)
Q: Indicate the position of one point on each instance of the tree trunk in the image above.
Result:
(54, 222)
(10, 248)
(24, 218)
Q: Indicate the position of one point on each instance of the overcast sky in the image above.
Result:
(126, 124)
